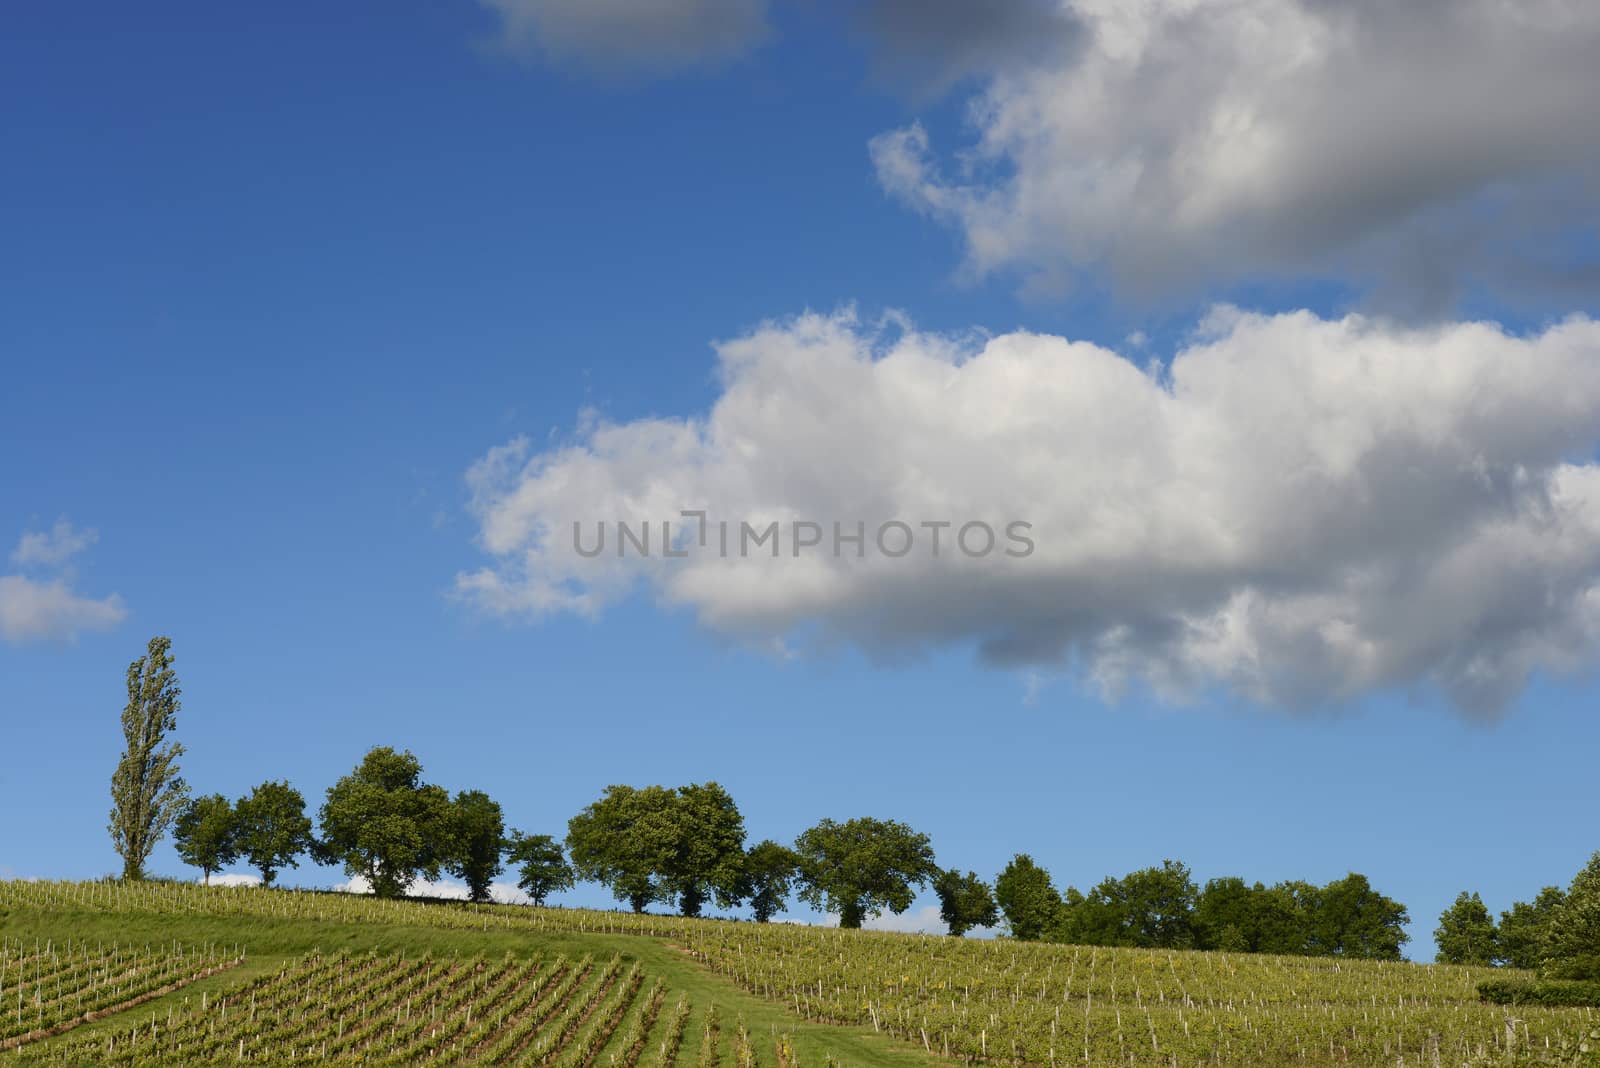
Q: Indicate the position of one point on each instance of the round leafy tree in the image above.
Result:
(863, 867)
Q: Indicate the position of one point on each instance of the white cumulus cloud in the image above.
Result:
(1294, 510)
(500, 893)
(235, 879)
(49, 610)
(1185, 143)
(36, 607)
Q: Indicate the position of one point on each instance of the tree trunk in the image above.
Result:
(691, 901)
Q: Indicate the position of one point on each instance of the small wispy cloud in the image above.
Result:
(52, 547)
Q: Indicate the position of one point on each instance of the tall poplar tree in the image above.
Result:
(147, 791)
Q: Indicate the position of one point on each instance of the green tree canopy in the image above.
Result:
(542, 867)
(1071, 920)
(274, 829)
(1027, 898)
(661, 844)
(1159, 905)
(965, 901)
(1097, 918)
(1152, 907)
(385, 825)
(619, 841)
(1285, 914)
(205, 832)
(1161, 908)
(1572, 941)
(769, 873)
(1523, 928)
(705, 858)
(1466, 933)
(1228, 911)
(1354, 920)
(147, 789)
(1237, 917)
(479, 837)
(863, 866)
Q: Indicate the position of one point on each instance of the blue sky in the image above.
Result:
(275, 285)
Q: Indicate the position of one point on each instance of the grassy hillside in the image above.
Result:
(329, 978)
(277, 930)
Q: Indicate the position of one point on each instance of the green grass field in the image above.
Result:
(226, 975)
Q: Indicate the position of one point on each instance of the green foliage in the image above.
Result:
(862, 866)
(1027, 898)
(1572, 942)
(618, 842)
(769, 873)
(1152, 907)
(1071, 920)
(147, 790)
(1225, 907)
(478, 839)
(1232, 940)
(1523, 928)
(705, 857)
(659, 844)
(206, 834)
(273, 828)
(1540, 992)
(1237, 917)
(1159, 908)
(965, 901)
(1466, 933)
(1354, 920)
(1504, 991)
(1284, 917)
(384, 824)
(542, 867)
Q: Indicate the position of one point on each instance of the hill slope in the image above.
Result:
(332, 978)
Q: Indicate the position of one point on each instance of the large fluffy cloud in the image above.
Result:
(630, 35)
(1294, 509)
(35, 606)
(933, 44)
(1183, 143)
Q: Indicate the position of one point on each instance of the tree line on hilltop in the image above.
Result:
(1163, 908)
(1558, 932)
(685, 847)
